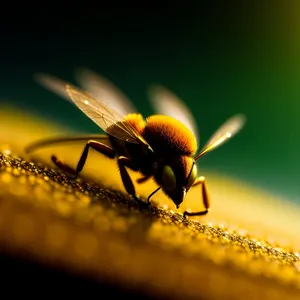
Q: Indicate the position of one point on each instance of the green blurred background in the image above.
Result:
(220, 57)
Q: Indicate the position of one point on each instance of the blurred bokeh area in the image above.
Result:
(220, 58)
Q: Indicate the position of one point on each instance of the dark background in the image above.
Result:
(220, 57)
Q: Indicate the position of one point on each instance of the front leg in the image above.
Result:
(124, 162)
(205, 198)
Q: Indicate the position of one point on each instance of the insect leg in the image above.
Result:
(124, 162)
(63, 139)
(205, 198)
(99, 147)
(143, 179)
(61, 165)
(152, 194)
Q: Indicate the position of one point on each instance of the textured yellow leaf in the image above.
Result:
(246, 247)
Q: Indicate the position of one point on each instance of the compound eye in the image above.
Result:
(193, 176)
(168, 178)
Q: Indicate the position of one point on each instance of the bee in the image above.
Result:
(162, 146)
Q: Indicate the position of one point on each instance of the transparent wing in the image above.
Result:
(98, 111)
(231, 127)
(108, 119)
(104, 90)
(166, 102)
(53, 84)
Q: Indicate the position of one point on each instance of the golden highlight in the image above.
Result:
(171, 133)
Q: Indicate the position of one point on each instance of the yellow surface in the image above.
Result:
(245, 248)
